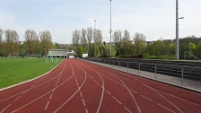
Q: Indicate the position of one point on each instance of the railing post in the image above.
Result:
(127, 66)
(155, 70)
(182, 76)
(139, 69)
(119, 65)
(113, 64)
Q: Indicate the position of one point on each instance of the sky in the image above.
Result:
(156, 19)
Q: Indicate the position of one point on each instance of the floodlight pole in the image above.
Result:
(110, 27)
(94, 38)
(177, 29)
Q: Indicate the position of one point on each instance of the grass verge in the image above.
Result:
(16, 70)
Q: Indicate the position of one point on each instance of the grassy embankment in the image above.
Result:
(16, 70)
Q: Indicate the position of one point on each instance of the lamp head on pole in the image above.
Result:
(181, 18)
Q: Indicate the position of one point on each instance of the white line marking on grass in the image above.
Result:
(166, 108)
(127, 109)
(116, 100)
(147, 98)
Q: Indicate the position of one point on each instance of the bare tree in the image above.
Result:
(12, 42)
(98, 36)
(83, 39)
(89, 38)
(31, 41)
(117, 39)
(76, 38)
(126, 41)
(46, 41)
(139, 41)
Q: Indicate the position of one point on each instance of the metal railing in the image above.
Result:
(184, 76)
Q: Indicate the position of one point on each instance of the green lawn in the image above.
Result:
(16, 70)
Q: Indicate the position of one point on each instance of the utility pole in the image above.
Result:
(177, 29)
(110, 27)
(94, 38)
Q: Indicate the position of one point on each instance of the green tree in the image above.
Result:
(80, 51)
(46, 41)
(198, 50)
(140, 43)
(31, 41)
(76, 39)
(89, 39)
(12, 42)
(126, 41)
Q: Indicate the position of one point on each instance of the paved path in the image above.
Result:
(77, 86)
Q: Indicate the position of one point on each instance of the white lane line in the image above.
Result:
(164, 98)
(127, 109)
(17, 98)
(83, 102)
(147, 98)
(73, 93)
(181, 98)
(81, 94)
(41, 95)
(116, 100)
(50, 97)
(132, 96)
(166, 108)
(133, 91)
(86, 111)
(108, 92)
(5, 108)
(103, 88)
(47, 105)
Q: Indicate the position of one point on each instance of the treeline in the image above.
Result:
(124, 46)
(34, 44)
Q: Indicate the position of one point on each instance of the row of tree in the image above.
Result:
(82, 40)
(33, 44)
(90, 41)
(137, 46)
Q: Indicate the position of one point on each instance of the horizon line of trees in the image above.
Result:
(34, 43)
(124, 45)
(90, 41)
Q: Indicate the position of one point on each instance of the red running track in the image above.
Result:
(76, 86)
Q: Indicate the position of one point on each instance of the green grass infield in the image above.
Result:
(16, 70)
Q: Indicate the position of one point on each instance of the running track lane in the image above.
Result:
(76, 86)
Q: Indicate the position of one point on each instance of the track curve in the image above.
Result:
(77, 86)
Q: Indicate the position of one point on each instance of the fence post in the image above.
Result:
(155, 70)
(182, 76)
(127, 66)
(119, 65)
(113, 64)
(139, 69)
